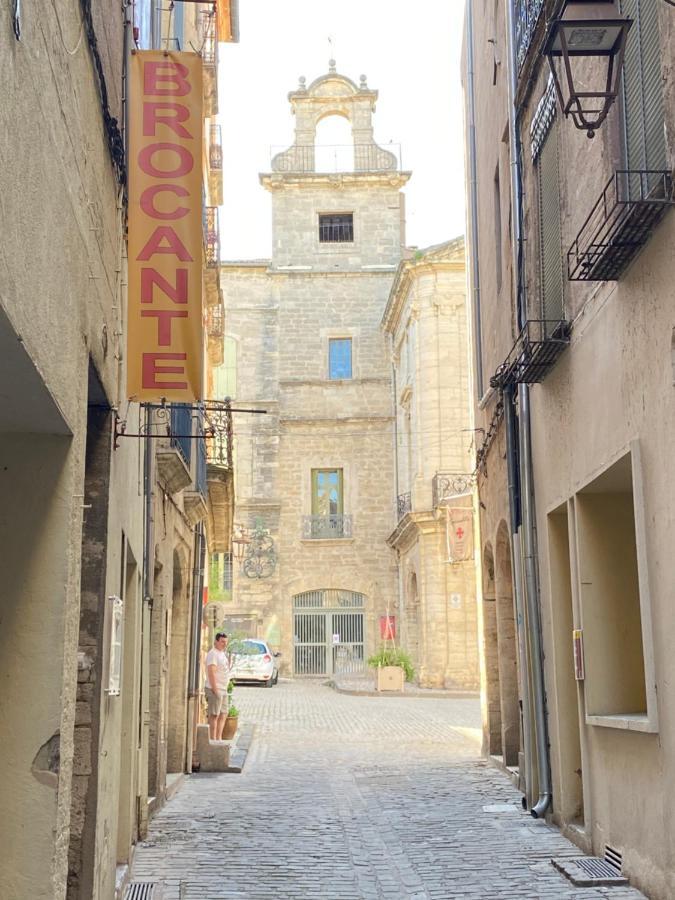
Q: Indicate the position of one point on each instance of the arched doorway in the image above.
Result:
(506, 643)
(328, 632)
(490, 641)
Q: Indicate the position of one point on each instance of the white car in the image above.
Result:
(252, 660)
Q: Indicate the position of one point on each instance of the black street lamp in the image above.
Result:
(586, 56)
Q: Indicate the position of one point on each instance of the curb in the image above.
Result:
(437, 695)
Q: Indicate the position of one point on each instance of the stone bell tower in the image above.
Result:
(316, 473)
(365, 182)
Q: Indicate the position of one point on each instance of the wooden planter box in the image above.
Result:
(390, 678)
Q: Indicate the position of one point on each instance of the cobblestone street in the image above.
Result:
(347, 797)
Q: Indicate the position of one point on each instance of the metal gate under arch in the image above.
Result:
(328, 632)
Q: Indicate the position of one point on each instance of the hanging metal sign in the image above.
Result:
(164, 334)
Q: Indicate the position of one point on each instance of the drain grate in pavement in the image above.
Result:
(142, 890)
(589, 871)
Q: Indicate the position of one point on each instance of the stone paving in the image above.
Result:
(356, 798)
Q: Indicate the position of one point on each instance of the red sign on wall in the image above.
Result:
(387, 628)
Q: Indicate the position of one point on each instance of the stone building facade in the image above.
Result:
(101, 545)
(425, 320)
(314, 473)
(595, 461)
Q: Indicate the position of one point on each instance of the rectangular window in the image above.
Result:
(327, 497)
(227, 571)
(611, 607)
(339, 358)
(550, 232)
(336, 228)
(645, 143)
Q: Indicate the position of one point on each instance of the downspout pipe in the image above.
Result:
(524, 463)
(148, 555)
(197, 590)
(473, 200)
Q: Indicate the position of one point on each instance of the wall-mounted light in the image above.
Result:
(586, 92)
(240, 540)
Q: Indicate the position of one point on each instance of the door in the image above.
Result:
(328, 632)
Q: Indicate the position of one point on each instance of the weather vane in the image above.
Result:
(331, 47)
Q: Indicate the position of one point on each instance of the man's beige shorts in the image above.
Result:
(217, 702)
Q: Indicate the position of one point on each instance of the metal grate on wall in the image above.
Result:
(142, 890)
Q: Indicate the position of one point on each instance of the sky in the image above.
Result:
(410, 52)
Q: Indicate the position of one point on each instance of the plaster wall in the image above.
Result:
(615, 386)
(61, 301)
(610, 392)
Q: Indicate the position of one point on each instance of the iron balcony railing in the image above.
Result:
(181, 426)
(326, 527)
(336, 158)
(215, 148)
(447, 485)
(527, 13)
(218, 427)
(211, 236)
(619, 225)
(534, 353)
(403, 504)
(215, 321)
(209, 48)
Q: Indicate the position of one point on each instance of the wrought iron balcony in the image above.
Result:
(448, 485)
(218, 426)
(215, 148)
(209, 48)
(403, 505)
(181, 426)
(215, 321)
(211, 237)
(527, 13)
(628, 210)
(337, 158)
(534, 353)
(326, 527)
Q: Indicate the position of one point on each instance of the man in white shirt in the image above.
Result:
(217, 679)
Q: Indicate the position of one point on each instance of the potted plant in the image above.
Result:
(393, 668)
(232, 719)
(231, 723)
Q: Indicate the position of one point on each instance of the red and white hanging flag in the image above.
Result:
(459, 532)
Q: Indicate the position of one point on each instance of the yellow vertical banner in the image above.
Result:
(164, 322)
(224, 21)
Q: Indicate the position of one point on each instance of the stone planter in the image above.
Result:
(230, 728)
(390, 678)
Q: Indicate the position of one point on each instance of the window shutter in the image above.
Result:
(550, 235)
(642, 88)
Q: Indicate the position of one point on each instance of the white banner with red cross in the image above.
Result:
(459, 533)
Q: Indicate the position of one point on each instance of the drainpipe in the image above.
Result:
(527, 539)
(473, 200)
(511, 427)
(148, 554)
(197, 590)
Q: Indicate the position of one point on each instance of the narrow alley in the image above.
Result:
(345, 797)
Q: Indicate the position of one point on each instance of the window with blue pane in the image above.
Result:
(340, 358)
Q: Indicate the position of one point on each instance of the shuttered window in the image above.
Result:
(645, 144)
(550, 235)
